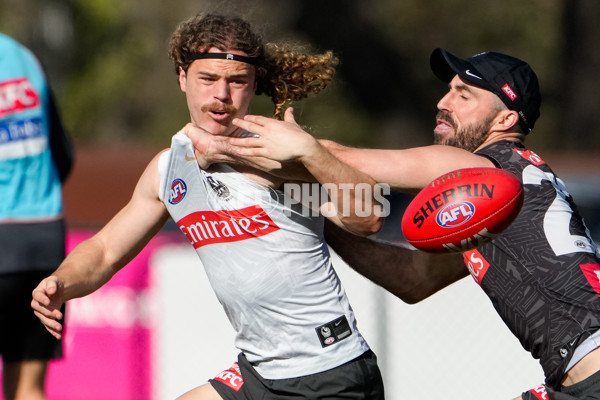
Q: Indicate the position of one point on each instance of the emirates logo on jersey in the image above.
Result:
(17, 95)
(208, 227)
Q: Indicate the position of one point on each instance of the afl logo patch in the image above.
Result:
(455, 214)
(178, 191)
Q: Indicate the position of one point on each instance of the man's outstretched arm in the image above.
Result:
(94, 261)
(410, 275)
(410, 169)
(271, 146)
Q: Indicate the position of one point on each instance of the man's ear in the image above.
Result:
(182, 79)
(506, 120)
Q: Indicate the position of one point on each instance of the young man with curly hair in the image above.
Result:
(265, 258)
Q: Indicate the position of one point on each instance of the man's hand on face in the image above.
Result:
(209, 148)
(276, 140)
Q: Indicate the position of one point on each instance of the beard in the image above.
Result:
(469, 137)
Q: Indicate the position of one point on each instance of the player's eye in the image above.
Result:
(238, 82)
(464, 95)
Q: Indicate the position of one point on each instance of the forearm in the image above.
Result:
(407, 170)
(384, 166)
(95, 261)
(84, 270)
(410, 275)
(352, 192)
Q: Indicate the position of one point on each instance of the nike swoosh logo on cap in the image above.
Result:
(468, 72)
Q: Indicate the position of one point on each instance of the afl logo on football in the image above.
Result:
(178, 191)
(455, 214)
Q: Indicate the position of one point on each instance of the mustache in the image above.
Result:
(217, 106)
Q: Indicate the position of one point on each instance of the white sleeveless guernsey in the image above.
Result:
(267, 263)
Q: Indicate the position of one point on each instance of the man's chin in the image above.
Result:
(219, 129)
(441, 139)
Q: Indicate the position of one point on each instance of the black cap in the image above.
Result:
(511, 79)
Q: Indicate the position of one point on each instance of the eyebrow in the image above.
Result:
(216, 75)
(461, 86)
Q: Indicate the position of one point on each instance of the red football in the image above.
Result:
(462, 210)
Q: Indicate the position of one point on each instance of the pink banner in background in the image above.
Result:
(108, 338)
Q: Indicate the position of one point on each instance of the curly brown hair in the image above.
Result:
(286, 73)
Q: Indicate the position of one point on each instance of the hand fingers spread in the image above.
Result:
(249, 151)
(248, 126)
(246, 142)
(257, 119)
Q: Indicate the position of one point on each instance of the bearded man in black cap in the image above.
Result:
(541, 274)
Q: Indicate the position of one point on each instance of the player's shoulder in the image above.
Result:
(156, 158)
(151, 172)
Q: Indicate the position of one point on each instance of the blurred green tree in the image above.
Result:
(108, 62)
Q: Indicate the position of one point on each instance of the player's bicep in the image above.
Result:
(134, 225)
(407, 169)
